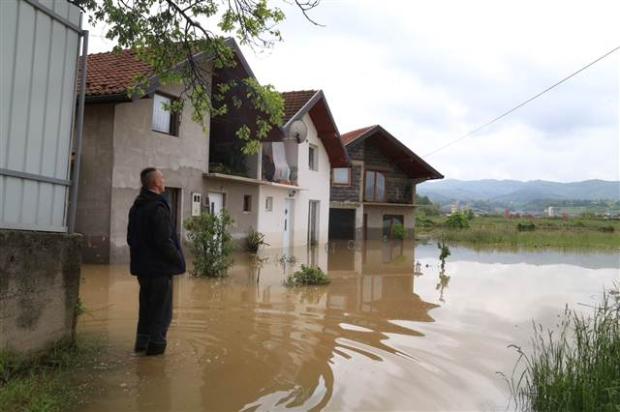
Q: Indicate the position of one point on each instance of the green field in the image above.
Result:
(513, 233)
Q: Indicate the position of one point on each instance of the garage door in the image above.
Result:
(342, 224)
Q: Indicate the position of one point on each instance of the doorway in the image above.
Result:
(313, 222)
(216, 202)
(289, 212)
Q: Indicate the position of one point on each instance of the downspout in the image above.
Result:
(79, 127)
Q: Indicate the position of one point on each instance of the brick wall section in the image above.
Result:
(398, 185)
(39, 286)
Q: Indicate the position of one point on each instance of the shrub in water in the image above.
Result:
(255, 240)
(457, 221)
(399, 231)
(577, 369)
(210, 243)
(308, 275)
(526, 227)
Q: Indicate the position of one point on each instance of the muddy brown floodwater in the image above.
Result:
(391, 332)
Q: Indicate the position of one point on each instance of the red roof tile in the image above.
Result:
(113, 73)
(294, 101)
(355, 134)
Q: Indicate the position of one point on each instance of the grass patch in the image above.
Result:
(571, 234)
(308, 275)
(577, 369)
(43, 382)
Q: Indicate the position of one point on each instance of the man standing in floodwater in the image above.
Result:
(156, 256)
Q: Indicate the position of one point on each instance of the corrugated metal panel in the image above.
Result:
(39, 52)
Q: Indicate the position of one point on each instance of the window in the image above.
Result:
(165, 121)
(341, 176)
(313, 161)
(375, 187)
(247, 203)
(269, 203)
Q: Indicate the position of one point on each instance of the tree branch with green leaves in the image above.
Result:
(176, 37)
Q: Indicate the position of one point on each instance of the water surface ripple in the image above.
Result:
(386, 334)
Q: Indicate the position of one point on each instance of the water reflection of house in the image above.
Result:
(382, 274)
(378, 190)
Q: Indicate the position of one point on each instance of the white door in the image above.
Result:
(216, 202)
(289, 208)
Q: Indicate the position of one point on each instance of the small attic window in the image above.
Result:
(165, 121)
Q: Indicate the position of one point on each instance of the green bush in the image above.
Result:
(308, 275)
(607, 229)
(469, 214)
(399, 231)
(526, 227)
(255, 240)
(457, 220)
(210, 243)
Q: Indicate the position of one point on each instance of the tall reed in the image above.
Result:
(577, 367)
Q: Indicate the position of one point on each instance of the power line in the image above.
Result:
(490, 122)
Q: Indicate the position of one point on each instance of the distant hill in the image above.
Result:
(514, 191)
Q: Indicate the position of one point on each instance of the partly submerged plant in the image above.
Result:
(211, 244)
(577, 369)
(255, 240)
(308, 275)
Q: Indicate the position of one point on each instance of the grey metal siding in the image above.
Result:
(38, 71)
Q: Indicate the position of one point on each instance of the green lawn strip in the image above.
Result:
(571, 234)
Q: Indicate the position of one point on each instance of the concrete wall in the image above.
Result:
(315, 185)
(182, 159)
(39, 285)
(95, 191)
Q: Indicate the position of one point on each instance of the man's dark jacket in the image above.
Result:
(153, 244)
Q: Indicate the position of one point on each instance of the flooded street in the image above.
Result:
(391, 332)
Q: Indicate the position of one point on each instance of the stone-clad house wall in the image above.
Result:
(398, 185)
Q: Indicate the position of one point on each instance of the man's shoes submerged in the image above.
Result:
(142, 341)
(154, 349)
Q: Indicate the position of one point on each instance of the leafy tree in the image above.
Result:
(457, 220)
(174, 36)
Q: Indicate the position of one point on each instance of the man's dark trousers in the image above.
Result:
(155, 312)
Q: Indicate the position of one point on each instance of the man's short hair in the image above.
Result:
(146, 177)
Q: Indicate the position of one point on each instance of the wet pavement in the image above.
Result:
(393, 331)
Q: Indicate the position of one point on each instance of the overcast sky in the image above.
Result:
(431, 71)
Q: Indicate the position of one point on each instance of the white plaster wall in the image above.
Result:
(316, 185)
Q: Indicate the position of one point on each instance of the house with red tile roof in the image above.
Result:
(283, 191)
(377, 191)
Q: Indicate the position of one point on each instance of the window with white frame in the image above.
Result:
(341, 175)
(269, 203)
(165, 120)
(313, 160)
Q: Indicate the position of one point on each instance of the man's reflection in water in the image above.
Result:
(154, 383)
